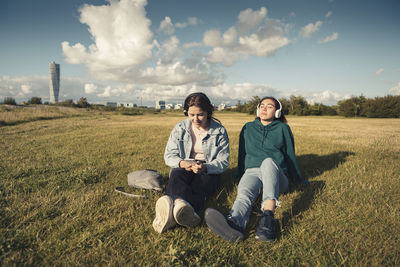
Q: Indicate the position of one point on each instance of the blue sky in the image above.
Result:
(127, 50)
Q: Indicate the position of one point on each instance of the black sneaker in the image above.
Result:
(266, 227)
(220, 226)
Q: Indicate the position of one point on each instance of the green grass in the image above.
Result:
(58, 207)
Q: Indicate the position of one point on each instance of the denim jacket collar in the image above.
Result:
(213, 128)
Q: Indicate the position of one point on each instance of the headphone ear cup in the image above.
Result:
(278, 113)
(185, 112)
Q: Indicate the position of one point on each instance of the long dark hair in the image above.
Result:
(282, 118)
(202, 101)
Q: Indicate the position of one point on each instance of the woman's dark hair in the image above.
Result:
(199, 100)
(277, 104)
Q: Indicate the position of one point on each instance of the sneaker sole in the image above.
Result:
(264, 239)
(186, 217)
(219, 226)
(164, 218)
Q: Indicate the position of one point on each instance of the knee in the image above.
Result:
(247, 195)
(268, 162)
(174, 172)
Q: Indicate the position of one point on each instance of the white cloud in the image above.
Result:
(310, 29)
(380, 71)
(167, 26)
(193, 44)
(178, 73)
(214, 38)
(395, 90)
(123, 44)
(249, 19)
(253, 35)
(190, 22)
(326, 97)
(218, 90)
(122, 38)
(106, 93)
(26, 89)
(330, 38)
(328, 14)
(90, 88)
(171, 50)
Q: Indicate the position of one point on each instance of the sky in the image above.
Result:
(138, 51)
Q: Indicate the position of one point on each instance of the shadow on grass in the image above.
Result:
(311, 165)
(219, 198)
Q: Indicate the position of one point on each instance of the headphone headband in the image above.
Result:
(206, 101)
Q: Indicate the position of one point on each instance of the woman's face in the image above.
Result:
(198, 117)
(267, 110)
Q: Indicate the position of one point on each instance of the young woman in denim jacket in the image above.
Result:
(198, 152)
(266, 160)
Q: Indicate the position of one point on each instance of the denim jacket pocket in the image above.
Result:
(181, 148)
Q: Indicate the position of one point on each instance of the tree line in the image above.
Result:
(356, 106)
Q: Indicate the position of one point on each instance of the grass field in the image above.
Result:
(59, 168)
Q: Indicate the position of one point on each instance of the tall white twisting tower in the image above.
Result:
(54, 81)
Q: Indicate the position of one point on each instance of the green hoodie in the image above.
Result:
(275, 140)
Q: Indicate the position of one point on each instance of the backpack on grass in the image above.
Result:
(143, 179)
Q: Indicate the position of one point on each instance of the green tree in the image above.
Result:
(9, 101)
(66, 103)
(285, 105)
(251, 107)
(352, 107)
(240, 107)
(83, 103)
(382, 107)
(35, 100)
(298, 105)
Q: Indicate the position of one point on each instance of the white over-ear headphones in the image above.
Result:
(278, 112)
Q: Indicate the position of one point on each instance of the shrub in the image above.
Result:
(35, 100)
(83, 103)
(10, 101)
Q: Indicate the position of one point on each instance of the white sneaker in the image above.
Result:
(164, 218)
(184, 214)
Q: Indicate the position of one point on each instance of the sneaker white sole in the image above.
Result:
(164, 218)
(186, 216)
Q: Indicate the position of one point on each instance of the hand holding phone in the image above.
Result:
(199, 167)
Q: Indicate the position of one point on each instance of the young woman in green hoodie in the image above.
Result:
(266, 160)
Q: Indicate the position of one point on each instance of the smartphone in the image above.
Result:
(193, 161)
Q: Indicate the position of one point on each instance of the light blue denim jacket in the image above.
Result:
(215, 146)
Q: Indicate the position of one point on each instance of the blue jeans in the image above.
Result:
(269, 178)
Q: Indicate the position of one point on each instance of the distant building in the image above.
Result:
(160, 104)
(169, 106)
(129, 105)
(54, 82)
(111, 104)
(178, 106)
(126, 105)
(221, 106)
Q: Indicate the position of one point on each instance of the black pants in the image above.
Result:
(194, 188)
